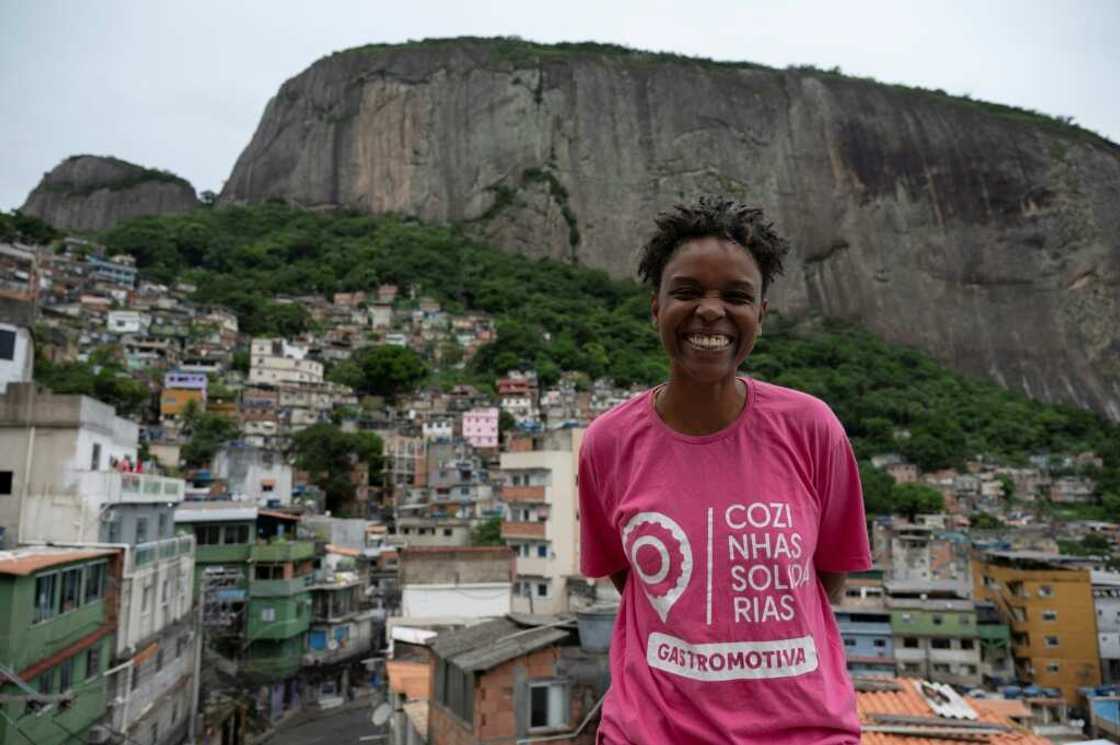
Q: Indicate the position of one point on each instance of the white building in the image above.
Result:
(277, 362)
(254, 474)
(465, 581)
(1106, 601)
(438, 429)
(55, 450)
(128, 322)
(16, 355)
(539, 491)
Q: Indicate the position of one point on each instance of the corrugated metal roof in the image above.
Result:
(489, 644)
(24, 561)
(904, 717)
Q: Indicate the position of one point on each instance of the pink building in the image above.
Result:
(480, 427)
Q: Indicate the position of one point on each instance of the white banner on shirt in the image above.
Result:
(781, 658)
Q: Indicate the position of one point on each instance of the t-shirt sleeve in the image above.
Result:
(600, 552)
(842, 537)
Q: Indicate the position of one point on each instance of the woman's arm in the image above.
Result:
(833, 585)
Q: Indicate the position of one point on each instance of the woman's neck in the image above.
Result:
(700, 409)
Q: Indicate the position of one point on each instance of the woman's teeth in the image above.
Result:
(703, 341)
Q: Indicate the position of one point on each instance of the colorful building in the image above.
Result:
(58, 614)
(1049, 607)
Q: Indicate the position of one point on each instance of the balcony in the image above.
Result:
(524, 494)
(522, 530)
(115, 487)
(147, 554)
(282, 551)
(231, 553)
(274, 588)
(967, 656)
(532, 566)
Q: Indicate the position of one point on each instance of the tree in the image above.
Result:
(488, 533)
(985, 521)
(206, 434)
(1006, 486)
(382, 370)
(914, 499)
(877, 489)
(329, 455)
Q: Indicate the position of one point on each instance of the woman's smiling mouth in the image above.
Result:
(709, 342)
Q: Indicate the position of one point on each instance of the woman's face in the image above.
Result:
(709, 309)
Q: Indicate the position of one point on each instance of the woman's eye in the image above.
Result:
(684, 294)
(739, 298)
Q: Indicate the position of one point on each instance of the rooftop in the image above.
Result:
(489, 644)
(216, 511)
(24, 561)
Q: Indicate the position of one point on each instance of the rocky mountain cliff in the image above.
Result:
(986, 235)
(92, 192)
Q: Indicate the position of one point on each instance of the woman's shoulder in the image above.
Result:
(794, 407)
(623, 417)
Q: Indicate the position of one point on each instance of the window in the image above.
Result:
(941, 667)
(1051, 641)
(447, 531)
(208, 535)
(95, 457)
(1045, 591)
(159, 659)
(163, 531)
(542, 551)
(44, 682)
(66, 675)
(236, 534)
(7, 344)
(165, 594)
(155, 733)
(939, 644)
(1049, 615)
(95, 582)
(146, 602)
(912, 667)
(141, 530)
(71, 589)
(548, 705)
(114, 531)
(967, 643)
(1053, 667)
(542, 589)
(180, 645)
(880, 642)
(910, 642)
(907, 618)
(5, 482)
(93, 661)
(849, 642)
(937, 620)
(268, 614)
(45, 606)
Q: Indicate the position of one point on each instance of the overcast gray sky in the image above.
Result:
(182, 85)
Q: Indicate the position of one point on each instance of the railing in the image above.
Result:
(169, 548)
(270, 588)
(522, 530)
(524, 494)
(118, 487)
(282, 551)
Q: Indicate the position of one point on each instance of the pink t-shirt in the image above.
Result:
(724, 634)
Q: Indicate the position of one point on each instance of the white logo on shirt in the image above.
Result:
(666, 571)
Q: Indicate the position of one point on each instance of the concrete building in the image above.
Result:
(254, 474)
(865, 627)
(935, 637)
(1049, 607)
(480, 427)
(276, 362)
(457, 582)
(539, 490)
(128, 322)
(17, 355)
(1106, 601)
(57, 620)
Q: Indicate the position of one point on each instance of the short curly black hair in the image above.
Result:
(718, 217)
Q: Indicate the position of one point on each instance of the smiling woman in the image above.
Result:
(726, 510)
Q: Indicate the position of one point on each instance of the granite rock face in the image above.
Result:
(91, 192)
(986, 236)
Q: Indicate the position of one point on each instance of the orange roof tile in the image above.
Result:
(907, 701)
(333, 549)
(21, 564)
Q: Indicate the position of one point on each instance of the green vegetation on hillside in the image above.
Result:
(135, 176)
(556, 317)
(18, 227)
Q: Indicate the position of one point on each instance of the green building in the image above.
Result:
(253, 577)
(57, 619)
(935, 637)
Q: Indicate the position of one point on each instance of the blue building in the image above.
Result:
(865, 626)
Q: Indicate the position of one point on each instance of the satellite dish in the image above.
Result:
(381, 714)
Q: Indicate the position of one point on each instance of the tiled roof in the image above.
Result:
(342, 550)
(27, 560)
(902, 716)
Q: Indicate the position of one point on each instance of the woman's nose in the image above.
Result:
(710, 309)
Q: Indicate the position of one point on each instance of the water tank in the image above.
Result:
(596, 624)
